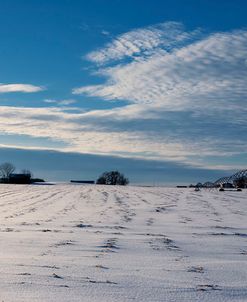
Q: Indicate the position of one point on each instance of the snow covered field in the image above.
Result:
(102, 243)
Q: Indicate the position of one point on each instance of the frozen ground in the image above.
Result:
(98, 243)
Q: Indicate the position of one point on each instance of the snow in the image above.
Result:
(108, 243)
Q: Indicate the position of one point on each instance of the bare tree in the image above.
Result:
(27, 172)
(6, 169)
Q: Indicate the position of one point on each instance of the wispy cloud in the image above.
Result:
(60, 102)
(27, 88)
(209, 73)
(186, 92)
(199, 79)
(142, 41)
(108, 132)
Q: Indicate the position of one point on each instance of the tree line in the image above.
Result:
(7, 175)
(7, 169)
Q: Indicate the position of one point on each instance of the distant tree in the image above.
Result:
(6, 169)
(112, 178)
(199, 185)
(27, 172)
(241, 182)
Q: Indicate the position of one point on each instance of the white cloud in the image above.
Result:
(105, 33)
(60, 102)
(84, 133)
(76, 131)
(210, 73)
(171, 70)
(186, 92)
(5, 88)
(142, 41)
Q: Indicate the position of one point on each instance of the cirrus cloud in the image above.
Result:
(163, 71)
(210, 73)
(27, 88)
(143, 42)
(186, 92)
(60, 102)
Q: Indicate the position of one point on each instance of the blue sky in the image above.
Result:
(154, 88)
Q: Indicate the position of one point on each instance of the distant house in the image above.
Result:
(19, 178)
